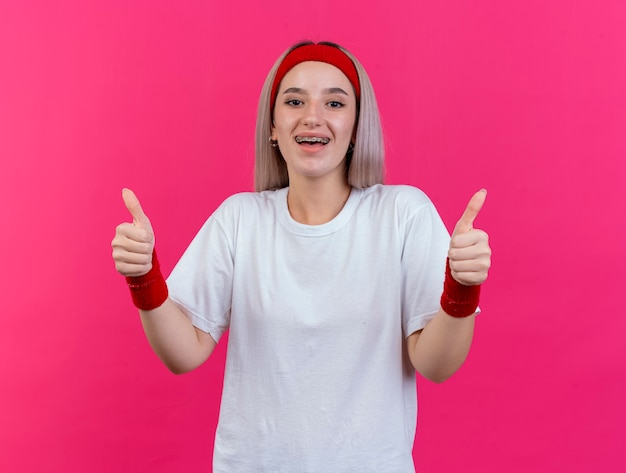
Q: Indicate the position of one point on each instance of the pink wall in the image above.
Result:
(527, 99)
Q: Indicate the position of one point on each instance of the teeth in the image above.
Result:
(312, 139)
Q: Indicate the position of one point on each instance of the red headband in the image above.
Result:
(316, 52)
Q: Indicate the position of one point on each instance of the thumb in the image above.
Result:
(466, 222)
(140, 219)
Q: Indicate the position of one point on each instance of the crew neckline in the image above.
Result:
(323, 229)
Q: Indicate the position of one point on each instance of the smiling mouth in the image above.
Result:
(312, 140)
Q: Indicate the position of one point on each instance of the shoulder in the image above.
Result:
(402, 198)
(247, 204)
(250, 198)
(244, 211)
(405, 208)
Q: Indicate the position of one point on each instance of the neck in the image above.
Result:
(315, 203)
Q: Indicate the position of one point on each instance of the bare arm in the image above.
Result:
(181, 346)
(441, 348)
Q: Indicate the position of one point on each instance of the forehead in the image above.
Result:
(315, 75)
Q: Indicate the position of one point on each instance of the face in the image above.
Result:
(314, 121)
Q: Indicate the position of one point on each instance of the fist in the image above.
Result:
(133, 242)
(469, 254)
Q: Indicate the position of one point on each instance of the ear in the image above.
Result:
(273, 133)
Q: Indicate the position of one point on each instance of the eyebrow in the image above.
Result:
(330, 90)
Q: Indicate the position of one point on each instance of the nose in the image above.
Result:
(313, 114)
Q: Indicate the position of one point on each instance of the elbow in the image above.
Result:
(438, 379)
(182, 364)
(438, 369)
(179, 368)
(436, 376)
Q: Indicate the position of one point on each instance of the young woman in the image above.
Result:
(334, 287)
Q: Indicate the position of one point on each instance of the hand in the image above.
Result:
(469, 253)
(133, 242)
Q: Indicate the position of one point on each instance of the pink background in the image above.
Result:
(527, 99)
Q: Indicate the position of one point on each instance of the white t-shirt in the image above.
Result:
(317, 378)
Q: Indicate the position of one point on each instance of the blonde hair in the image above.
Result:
(364, 164)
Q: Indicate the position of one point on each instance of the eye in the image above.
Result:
(335, 104)
(294, 102)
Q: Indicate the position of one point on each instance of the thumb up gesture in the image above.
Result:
(133, 242)
(469, 254)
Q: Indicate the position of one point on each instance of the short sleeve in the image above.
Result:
(426, 243)
(201, 282)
